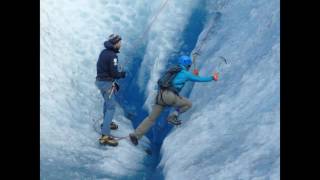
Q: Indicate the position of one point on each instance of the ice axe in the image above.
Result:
(116, 87)
(195, 70)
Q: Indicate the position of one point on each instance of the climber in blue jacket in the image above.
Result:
(184, 75)
(170, 84)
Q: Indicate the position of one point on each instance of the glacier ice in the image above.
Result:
(233, 128)
(233, 131)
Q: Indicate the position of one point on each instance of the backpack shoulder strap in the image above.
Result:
(175, 69)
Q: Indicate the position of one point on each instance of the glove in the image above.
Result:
(196, 72)
(215, 76)
(123, 74)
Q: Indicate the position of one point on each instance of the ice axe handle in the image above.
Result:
(111, 92)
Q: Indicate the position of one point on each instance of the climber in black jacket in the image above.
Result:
(107, 73)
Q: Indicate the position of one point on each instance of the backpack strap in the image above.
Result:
(160, 92)
(157, 97)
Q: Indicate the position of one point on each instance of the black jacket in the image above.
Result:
(107, 65)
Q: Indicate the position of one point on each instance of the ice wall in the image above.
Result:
(71, 38)
(233, 131)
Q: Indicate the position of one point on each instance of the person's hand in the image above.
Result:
(215, 76)
(123, 74)
(196, 72)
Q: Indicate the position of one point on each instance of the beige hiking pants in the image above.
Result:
(168, 99)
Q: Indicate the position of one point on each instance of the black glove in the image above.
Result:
(123, 74)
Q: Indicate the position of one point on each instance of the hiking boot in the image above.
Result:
(173, 119)
(133, 139)
(108, 140)
(113, 126)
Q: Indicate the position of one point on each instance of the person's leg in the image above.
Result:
(108, 114)
(108, 106)
(168, 98)
(104, 106)
(171, 99)
(148, 121)
(108, 111)
(181, 105)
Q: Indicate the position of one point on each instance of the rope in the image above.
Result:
(95, 121)
(119, 138)
(154, 18)
(197, 52)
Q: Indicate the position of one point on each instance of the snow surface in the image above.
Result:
(231, 132)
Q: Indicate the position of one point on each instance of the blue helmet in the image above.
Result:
(185, 60)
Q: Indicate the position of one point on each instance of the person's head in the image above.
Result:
(185, 61)
(115, 40)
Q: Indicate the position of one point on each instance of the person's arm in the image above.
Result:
(194, 78)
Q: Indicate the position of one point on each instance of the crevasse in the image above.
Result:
(232, 130)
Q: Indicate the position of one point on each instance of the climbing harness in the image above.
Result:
(160, 92)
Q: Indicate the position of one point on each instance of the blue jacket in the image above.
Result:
(107, 65)
(184, 75)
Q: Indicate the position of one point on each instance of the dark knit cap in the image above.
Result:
(114, 38)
